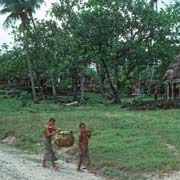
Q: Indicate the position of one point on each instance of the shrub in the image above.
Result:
(24, 97)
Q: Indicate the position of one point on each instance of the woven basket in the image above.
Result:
(64, 139)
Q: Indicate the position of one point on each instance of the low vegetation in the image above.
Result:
(125, 144)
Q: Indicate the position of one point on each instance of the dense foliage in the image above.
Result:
(113, 42)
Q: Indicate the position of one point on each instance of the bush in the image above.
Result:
(138, 99)
(24, 97)
(3, 86)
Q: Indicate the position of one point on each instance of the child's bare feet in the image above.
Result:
(55, 166)
(79, 170)
(91, 171)
(43, 165)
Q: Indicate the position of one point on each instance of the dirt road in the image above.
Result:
(167, 176)
(17, 166)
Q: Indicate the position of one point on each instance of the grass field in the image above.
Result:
(124, 145)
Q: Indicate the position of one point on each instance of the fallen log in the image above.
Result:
(73, 103)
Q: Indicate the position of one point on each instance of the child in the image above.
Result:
(83, 139)
(49, 153)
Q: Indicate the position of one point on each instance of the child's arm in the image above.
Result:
(56, 130)
(48, 134)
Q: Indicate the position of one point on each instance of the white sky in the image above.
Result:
(5, 36)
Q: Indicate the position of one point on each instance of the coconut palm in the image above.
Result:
(21, 10)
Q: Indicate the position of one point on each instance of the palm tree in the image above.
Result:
(30, 13)
(22, 10)
(19, 9)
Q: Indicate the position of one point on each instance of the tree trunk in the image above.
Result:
(53, 79)
(82, 100)
(75, 90)
(116, 98)
(101, 73)
(9, 83)
(31, 77)
(45, 60)
(28, 59)
(116, 77)
(53, 86)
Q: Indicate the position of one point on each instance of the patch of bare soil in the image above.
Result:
(16, 165)
(9, 139)
(166, 176)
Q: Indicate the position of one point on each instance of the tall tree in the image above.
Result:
(22, 10)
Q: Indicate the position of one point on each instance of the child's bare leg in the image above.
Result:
(80, 163)
(44, 163)
(79, 168)
(54, 165)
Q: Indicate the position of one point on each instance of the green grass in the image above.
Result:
(124, 144)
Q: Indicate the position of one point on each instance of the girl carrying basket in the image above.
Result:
(49, 131)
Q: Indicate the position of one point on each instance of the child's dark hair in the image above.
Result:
(52, 120)
(81, 124)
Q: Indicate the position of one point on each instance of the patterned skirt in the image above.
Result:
(49, 154)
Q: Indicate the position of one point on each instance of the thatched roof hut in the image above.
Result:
(172, 78)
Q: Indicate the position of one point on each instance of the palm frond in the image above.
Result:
(8, 2)
(5, 10)
(19, 9)
(10, 20)
(32, 5)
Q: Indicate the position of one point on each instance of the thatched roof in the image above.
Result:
(173, 71)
